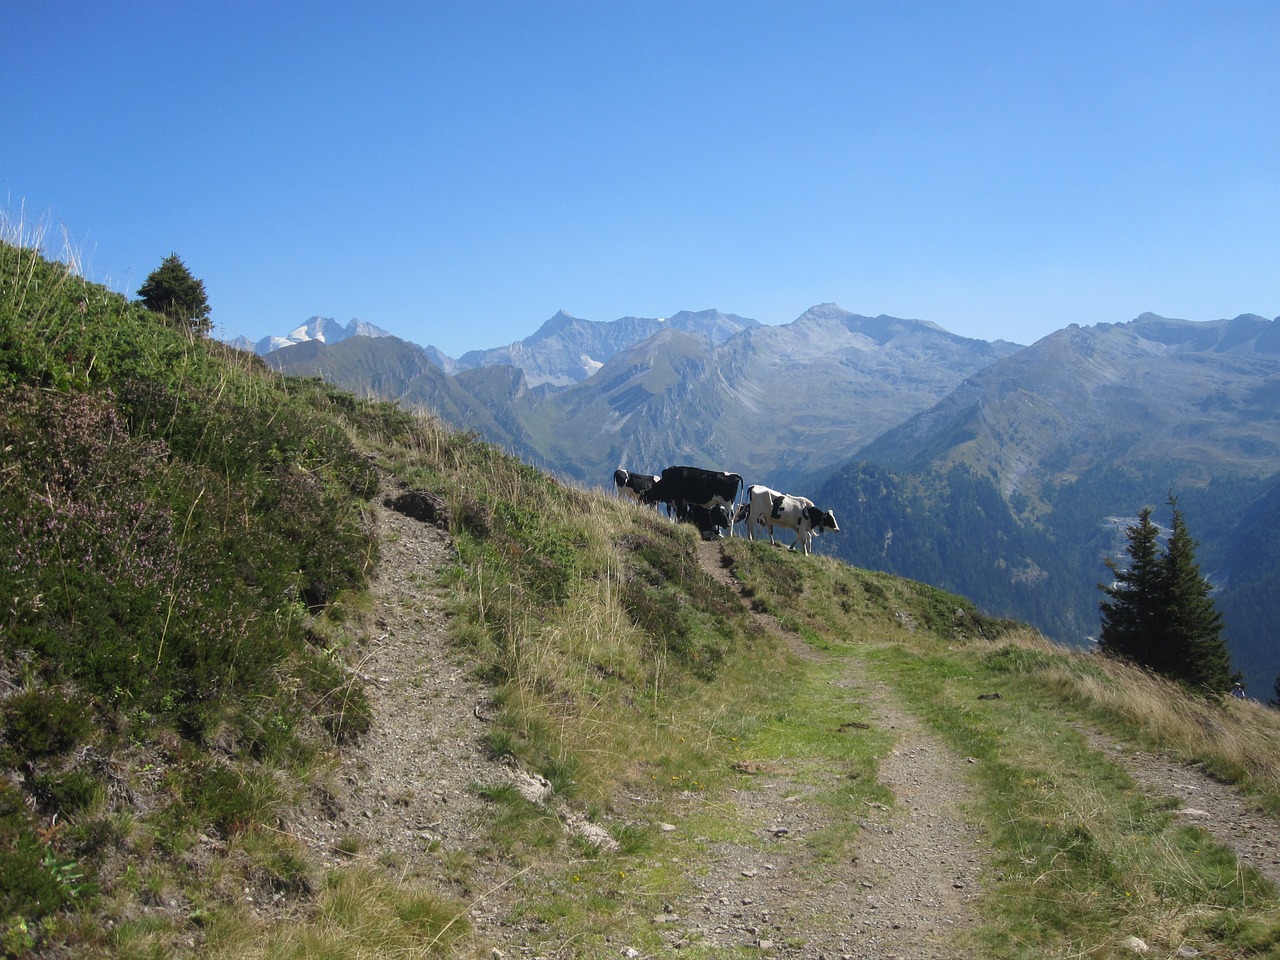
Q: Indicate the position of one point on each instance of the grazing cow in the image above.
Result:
(709, 520)
(768, 508)
(632, 485)
(693, 486)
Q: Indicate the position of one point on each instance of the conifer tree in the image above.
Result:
(1194, 628)
(1159, 611)
(171, 290)
(1130, 616)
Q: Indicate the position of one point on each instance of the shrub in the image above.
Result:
(41, 723)
(66, 792)
(32, 885)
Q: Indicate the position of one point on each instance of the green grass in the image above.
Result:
(173, 518)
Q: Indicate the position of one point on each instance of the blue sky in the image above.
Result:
(458, 172)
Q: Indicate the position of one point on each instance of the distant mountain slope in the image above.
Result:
(1012, 488)
(389, 368)
(1202, 398)
(816, 390)
(771, 402)
(647, 408)
(567, 350)
(1250, 597)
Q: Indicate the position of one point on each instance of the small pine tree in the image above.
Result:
(1159, 611)
(1130, 626)
(171, 290)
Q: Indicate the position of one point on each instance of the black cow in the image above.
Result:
(693, 486)
(709, 520)
(632, 485)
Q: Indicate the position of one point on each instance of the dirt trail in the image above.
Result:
(907, 892)
(405, 798)
(910, 890)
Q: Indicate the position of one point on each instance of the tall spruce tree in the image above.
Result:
(1159, 611)
(1130, 626)
(1200, 655)
(171, 290)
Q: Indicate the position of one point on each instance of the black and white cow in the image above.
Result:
(692, 486)
(632, 485)
(769, 508)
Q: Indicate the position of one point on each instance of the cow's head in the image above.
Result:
(820, 520)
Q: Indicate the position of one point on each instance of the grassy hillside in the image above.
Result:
(185, 550)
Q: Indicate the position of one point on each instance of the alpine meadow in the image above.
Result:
(288, 671)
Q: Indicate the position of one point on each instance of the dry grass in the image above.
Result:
(1236, 740)
(360, 915)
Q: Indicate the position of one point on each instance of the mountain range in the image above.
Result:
(1003, 472)
(581, 398)
(321, 329)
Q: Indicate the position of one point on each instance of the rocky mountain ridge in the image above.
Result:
(567, 350)
(706, 387)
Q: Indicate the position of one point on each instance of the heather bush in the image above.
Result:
(94, 533)
(40, 723)
(170, 512)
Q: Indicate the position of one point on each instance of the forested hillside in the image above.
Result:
(1051, 451)
(191, 545)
